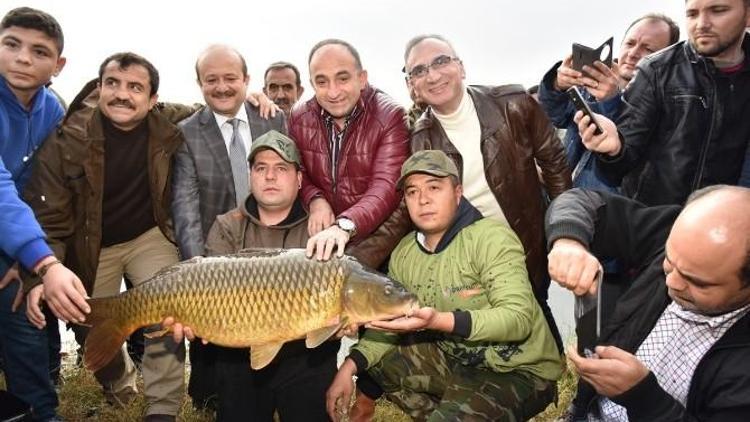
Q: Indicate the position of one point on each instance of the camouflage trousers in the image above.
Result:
(430, 386)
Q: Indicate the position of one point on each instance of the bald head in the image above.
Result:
(706, 255)
(719, 217)
(219, 51)
(721, 211)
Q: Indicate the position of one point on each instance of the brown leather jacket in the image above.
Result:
(65, 189)
(516, 137)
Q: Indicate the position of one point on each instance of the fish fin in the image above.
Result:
(107, 334)
(157, 334)
(262, 355)
(316, 337)
(259, 252)
(174, 268)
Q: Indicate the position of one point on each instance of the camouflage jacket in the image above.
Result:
(477, 267)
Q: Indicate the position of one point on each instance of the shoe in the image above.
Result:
(363, 409)
(121, 399)
(159, 418)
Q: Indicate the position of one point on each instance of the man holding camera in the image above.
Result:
(676, 345)
(685, 122)
(602, 86)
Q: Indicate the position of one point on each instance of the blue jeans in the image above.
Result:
(26, 353)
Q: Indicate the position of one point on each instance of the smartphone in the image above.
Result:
(575, 95)
(588, 316)
(586, 56)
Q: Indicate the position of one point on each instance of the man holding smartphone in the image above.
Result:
(600, 87)
(676, 345)
(685, 122)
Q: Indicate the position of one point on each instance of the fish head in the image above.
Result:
(370, 296)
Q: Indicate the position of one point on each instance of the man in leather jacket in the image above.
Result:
(496, 136)
(684, 125)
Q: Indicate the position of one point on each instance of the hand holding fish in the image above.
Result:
(63, 292)
(422, 319)
(244, 300)
(179, 331)
(321, 245)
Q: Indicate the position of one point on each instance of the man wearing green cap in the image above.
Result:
(480, 348)
(272, 216)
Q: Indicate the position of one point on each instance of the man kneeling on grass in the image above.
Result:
(480, 349)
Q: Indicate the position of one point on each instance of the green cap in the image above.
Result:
(433, 162)
(278, 142)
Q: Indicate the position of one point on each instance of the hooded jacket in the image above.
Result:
(241, 228)
(477, 271)
(22, 132)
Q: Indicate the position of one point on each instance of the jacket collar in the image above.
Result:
(466, 215)
(364, 99)
(84, 121)
(297, 214)
(486, 108)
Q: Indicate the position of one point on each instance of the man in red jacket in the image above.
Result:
(353, 140)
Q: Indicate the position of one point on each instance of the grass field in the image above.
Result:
(81, 400)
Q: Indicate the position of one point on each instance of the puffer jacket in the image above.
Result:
(669, 129)
(516, 137)
(66, 186)
(375, 145)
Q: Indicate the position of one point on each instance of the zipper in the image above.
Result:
(694, 97)
(704, 149)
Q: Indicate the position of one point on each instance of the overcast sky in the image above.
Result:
(500, 41)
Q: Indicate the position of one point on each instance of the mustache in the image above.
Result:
(282, 101)
(118, 102)
(225, 94)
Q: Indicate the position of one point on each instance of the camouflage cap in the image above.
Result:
(278, 142)
(433, 162)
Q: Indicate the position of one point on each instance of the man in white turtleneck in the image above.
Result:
(496, 135)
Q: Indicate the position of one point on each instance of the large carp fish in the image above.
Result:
(255, 298)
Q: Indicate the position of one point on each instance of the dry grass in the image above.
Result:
(81, 400)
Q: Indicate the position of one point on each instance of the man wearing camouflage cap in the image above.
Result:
(272, 216)
(492, 359)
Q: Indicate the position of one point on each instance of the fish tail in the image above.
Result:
(108, 332)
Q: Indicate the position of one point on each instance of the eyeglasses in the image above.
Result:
(438, 63)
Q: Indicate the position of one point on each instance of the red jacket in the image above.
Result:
(375, 145)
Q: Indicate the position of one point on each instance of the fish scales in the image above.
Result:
(257, 299)
(227, 300)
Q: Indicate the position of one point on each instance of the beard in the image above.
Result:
(720, 47)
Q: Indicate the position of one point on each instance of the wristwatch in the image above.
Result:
(347, 225)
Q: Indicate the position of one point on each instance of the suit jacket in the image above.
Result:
(203, 186)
